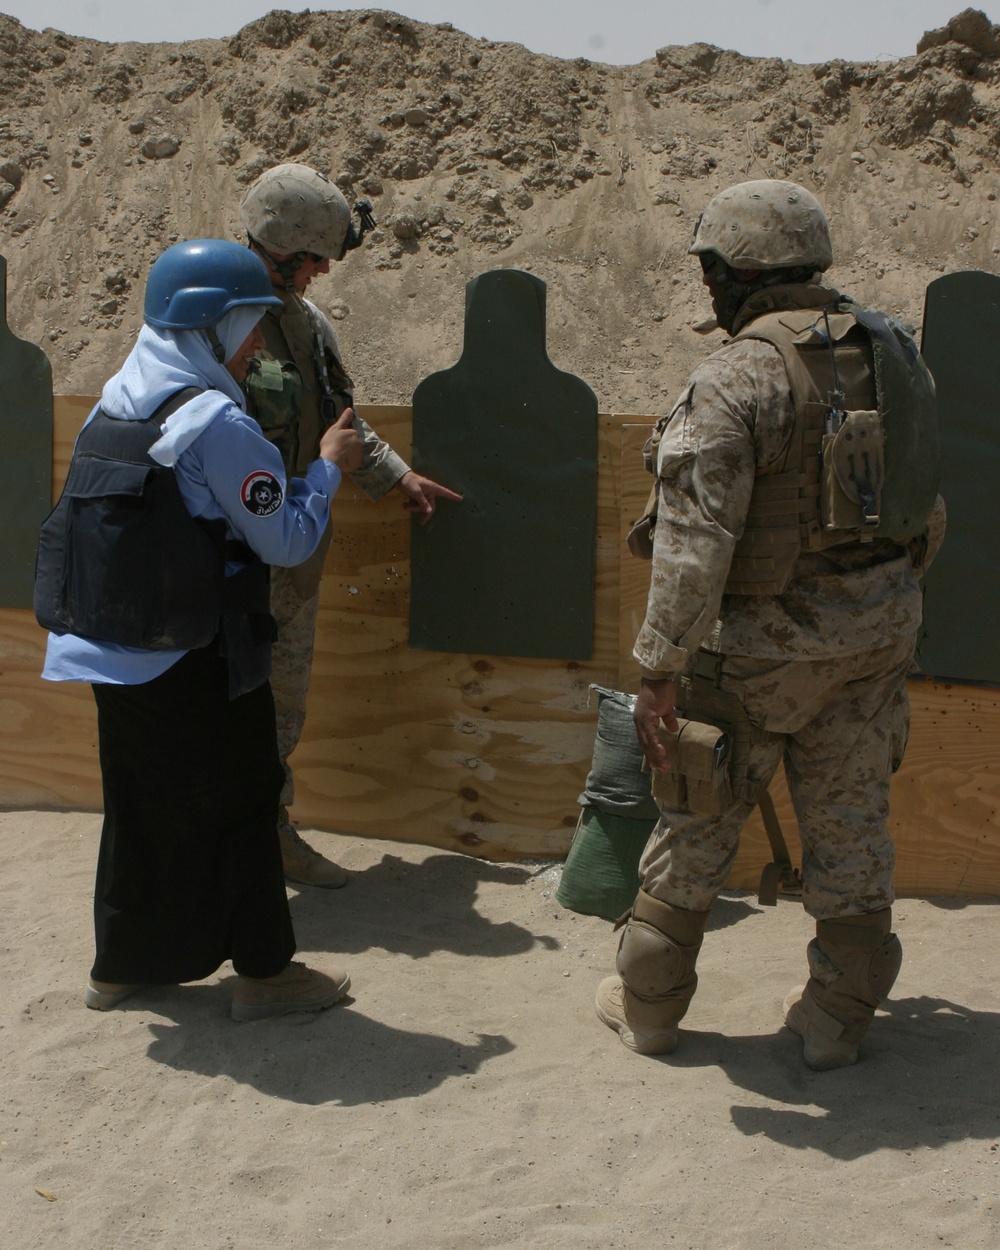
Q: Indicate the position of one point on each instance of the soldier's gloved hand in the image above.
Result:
(341, 444)
(422, 494)
(655, 702)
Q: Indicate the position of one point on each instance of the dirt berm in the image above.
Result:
(476, 155)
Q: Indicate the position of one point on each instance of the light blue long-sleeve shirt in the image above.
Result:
(225, 469)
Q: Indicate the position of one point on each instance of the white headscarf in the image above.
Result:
(236, 325)
(163, 362)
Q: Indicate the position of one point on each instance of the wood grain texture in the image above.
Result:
(472, 752)
(487, 754)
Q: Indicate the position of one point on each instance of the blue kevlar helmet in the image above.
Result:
(194, 284)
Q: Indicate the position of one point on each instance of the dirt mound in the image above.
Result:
(478, 154)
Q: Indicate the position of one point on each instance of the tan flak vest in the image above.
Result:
(296, 387)
(862, 459)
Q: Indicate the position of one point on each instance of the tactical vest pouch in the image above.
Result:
(873, 477)
(852, 475)
(698, 777)
(274, 399)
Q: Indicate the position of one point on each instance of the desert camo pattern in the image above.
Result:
(288, 332)
(734, 419)
(820, 669)
(291, 416)
(291, 665)
(840, 724)
(767, 224)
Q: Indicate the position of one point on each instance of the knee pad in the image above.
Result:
(856, 956)
(884, 968)
(651, 964)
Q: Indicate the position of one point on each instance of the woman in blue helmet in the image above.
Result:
(152, 578)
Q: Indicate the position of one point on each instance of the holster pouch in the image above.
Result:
(717, 752)
(698, 775)
(700, 699)
(852, 474)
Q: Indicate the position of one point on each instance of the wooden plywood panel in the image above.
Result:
(944, 801)
(48, 730)
(472, 752)
(946, 798)
(68, 415)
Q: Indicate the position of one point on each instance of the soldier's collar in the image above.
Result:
(782, 297)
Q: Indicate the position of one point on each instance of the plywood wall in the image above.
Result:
(485, 754)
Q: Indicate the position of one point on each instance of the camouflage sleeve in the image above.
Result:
(381, 468)
(706, 466)
(925, 546)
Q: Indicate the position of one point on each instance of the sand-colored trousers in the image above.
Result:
(840, 727)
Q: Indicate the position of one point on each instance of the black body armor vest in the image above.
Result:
(120, 558)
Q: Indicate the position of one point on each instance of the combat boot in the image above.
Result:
(301, 864)
(295, 988)
(656, 978)
(853, 964)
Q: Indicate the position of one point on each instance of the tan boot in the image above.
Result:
(103, 995)
(656, 975)
(824, 1046)
(304, 866)
(610, 1005)
(853, 962)
(296, 988)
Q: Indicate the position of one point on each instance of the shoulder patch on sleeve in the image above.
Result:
(261, 493)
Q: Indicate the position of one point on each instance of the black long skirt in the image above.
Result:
(189, 871)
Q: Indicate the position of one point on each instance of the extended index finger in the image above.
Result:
(433, 488)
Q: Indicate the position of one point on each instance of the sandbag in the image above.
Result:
(601, 873)
(616, 784)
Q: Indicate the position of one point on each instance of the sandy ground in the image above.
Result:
(465, 1095)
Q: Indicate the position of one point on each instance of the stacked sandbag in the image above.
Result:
(601, 873)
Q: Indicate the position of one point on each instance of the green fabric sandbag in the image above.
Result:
(616, 783)
(601, 873)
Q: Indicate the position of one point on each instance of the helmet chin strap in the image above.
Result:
(287, 267)
(218, 351)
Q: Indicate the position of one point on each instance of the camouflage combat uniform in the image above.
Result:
(821, 669)
(284, 396)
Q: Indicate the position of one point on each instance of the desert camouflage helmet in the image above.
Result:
(767, 224)
(292, 208)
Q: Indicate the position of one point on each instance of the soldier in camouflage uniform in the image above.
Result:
(759, 602)
(297, 221)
